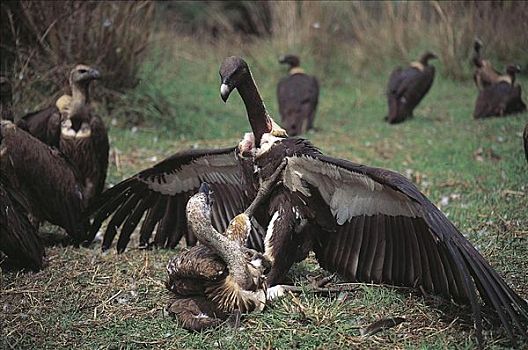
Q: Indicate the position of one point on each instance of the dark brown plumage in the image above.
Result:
(42, 176)
(501, 98)
(484, 75)
(212, 280)
(75, 130)
(18, 236)
(408, 86)
(373, 225)
(298, 94)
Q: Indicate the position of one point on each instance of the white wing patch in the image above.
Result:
(220, 168)
(347, 193)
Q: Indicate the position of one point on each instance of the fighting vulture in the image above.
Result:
(220, 276)
(484, 75)
(365, 223)
(73, 128)
(408, 86)
(298, 94)
(501, 98)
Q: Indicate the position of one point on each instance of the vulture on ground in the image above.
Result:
(212, 280)
(408, 86)
(75, 130)
(18, 236)
(501, 98)
(367, 224)
(484, 74)
(298, 94)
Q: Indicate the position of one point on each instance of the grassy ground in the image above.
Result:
(474, 170)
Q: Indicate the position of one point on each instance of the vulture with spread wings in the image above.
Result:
(408, 86)
(73, 128)
(367, 224)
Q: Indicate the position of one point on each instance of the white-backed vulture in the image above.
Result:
(298, 95)
(367, 224)
(408, 86)
(484, 74)
(212, 280)
(75, 130)
(501, 98)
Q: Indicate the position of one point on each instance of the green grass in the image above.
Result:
(87, 300)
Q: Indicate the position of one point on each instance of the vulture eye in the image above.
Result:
(82, 71)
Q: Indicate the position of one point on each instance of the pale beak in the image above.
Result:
(224, 92)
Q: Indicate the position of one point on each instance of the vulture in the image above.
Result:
(75, 130)
(298, 94)
(484, 74)
(367, 224)
(408, 86)
(220, 276)
(501, 98)
(18, 235)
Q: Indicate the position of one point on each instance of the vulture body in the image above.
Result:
(218, 277)
(501, 98)
(71, 127)
(484, 75)
(407, 87)
(298, 94)
(18, 236)
(367, 224)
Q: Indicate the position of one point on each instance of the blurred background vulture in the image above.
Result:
(501, 98)
(298, 94)
(41, 184)
(408, 86)
(484, 74)
(218, 277)
(73, 128)
(367, 224)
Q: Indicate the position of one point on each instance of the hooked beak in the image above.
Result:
(95, 74)
(225, 91)
(282, 59)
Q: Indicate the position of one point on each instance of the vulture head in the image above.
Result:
(513, 69)
(428, 55)
(82, 75)
(291, 60)
(477, 45)
(235, 74)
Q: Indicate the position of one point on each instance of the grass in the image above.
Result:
(475, 171)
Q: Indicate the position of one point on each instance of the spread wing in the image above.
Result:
(43, 124)
(159, 195)
(388, 232)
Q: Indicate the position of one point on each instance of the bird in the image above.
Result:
(159, 194)
(220, 276)
(19, 240)
(501, 98)
(408, 86)
(298, 95)
(484, 74)
(368, 224)
(72, 127)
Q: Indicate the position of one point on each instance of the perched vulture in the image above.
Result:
(298, 94)
(18, 236)
(408, 86)
(212, 280)
(75, 130)
(484, 74)
(44, 178)
(367, 224)
(501, 98)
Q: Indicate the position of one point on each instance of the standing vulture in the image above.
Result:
(484, 74)
(298, 94)
(500, 98)
(367, 224)
(220, 276)
(408, 86)
(75, 130)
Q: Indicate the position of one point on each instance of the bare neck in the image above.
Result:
(80, 96)
(256, 110)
